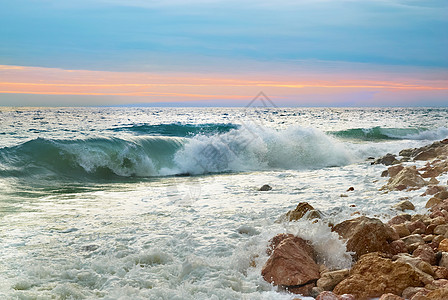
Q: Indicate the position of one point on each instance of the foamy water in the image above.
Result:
(93, 206)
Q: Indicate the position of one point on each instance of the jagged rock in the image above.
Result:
(404, 205)
(303, 209)
(291, 264)
(440, 272)
(412, 239)
(366, 235)
(273, 242)
(437, 284)
(408, 177)
(398, 246)
(422, 268)
(329, 280)
(425, 253)
(394, 170)
(390, 296)
(412, 226)
(375, 274)
(388, 159)
(265, 188)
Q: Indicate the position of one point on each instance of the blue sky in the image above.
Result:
(225, 36)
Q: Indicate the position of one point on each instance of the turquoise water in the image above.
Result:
(162, 203)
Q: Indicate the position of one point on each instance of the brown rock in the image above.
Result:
(398, 246)
(443, 245)
(440, 272)
(346, 297)
(291, 264)
(443, 205)
(444, 260)
(439, 294)
(327, 296)
(425, 253)
(432, 202)
(265, 188)
(438, 221)
(422, 268)
(436, 284)
(412, 239)
(388, 159)
(409, 292)
(350, 189)
(303, 209)
(304, 290)
(374, 274)
(399, 219)
(366, 235)
(404, 205)
(394, 170)
(329, 280)
(406, 178)
(401, 229)
(315, 291)
(390, 296)
(432, 180)
(428, 238)
(412, 226)
(441, 229)
(442, 195)
(273, 243)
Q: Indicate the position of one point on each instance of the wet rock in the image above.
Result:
(273, 242)
(408, 177)
(291, 264)
(390, 296)
(364, 235)
(303, 209)
(375, 274)
(329, 280)
(350, 189)
(425, 253)
(388, 159)
(265, 188)
(304, 290)
(404, 205)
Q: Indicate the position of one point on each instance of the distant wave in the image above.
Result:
(242, 149)
(380, 133)
(177, 129)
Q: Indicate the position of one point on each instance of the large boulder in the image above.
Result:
(375, 274)
(364, 235)
(291, 264)
(408, 177)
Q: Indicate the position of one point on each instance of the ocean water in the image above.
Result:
(163, 203)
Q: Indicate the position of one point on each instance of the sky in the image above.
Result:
(223, 53)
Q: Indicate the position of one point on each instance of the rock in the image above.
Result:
(437, 221)
(388, 159)
(412, 226)
(428, 238)
(440, 272)
(404, 205)
(433, 189)
(273, 242)
(422, 268)
(265, 188)
(350, 189)
(412, 239)
(291, 264)
(329, 280)
(401, 229)
(303, 209)
(409, 292)
(432, 180)
(443, 245)
(443, 205)
(327, 296)
(347, 297)
(385, 173)
(408, 177)
(444, 260)
(375, 274)
(315, 291)
(432, 201)
(390, 296)
(443, 195)
(366, 235)
(425, 253)
(399, 219)
(441, 229)
(394, 170)
(304, 290)
(398, 246)
(439, 294)
(436, 284)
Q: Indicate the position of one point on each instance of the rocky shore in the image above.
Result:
(405, 258)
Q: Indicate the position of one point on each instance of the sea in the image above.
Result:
(164, 203)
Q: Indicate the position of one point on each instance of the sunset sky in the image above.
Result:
(223, 53)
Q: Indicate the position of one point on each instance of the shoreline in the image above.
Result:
(405, 258)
